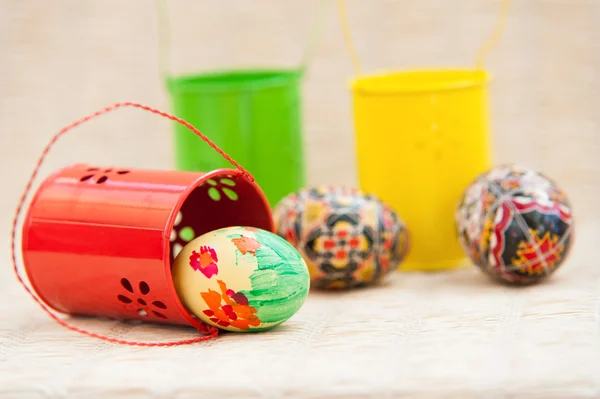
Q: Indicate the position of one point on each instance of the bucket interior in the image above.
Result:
(233, 80)
(220, 199)
(419, 81)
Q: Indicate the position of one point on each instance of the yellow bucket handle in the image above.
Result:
(481, 54)
(495, 37)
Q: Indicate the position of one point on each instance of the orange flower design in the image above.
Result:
(246, 245)
(235, 312)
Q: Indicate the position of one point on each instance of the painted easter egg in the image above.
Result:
(241, 279)
(515, 224)
(347, 238)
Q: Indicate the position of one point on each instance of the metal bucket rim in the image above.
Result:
(452, 79)
(233, 81)
(170, 222)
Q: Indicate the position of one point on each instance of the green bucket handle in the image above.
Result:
(164, 38)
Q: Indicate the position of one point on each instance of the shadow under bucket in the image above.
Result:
(100, 241)
(421, 138)
(254, 115)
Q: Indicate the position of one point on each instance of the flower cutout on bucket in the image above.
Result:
(221, 188)
(229, 308)
(100, 176)
(180, 235)
(144, 304)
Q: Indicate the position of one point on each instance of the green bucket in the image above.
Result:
(254, 115)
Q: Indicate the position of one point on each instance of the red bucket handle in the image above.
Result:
(214, 331)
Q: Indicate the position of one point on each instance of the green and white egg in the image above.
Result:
(241, 279)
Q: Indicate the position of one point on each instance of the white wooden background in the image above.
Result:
(443, 335)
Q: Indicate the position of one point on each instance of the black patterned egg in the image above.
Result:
(347, 238)
(515, 224)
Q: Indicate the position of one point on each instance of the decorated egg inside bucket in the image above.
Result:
(515, 224)
(241, 279)
(348, 238)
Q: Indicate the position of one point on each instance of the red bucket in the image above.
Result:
(100, 241)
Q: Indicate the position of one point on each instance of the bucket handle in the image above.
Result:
(164, 39)
(213, 330)
(317, 33)
(489, 44)
(495, 37)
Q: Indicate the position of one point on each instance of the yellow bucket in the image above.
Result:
(421, 138)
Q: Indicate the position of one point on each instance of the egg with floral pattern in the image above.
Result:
(241, 279)
(348, 238)
(515, 224)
